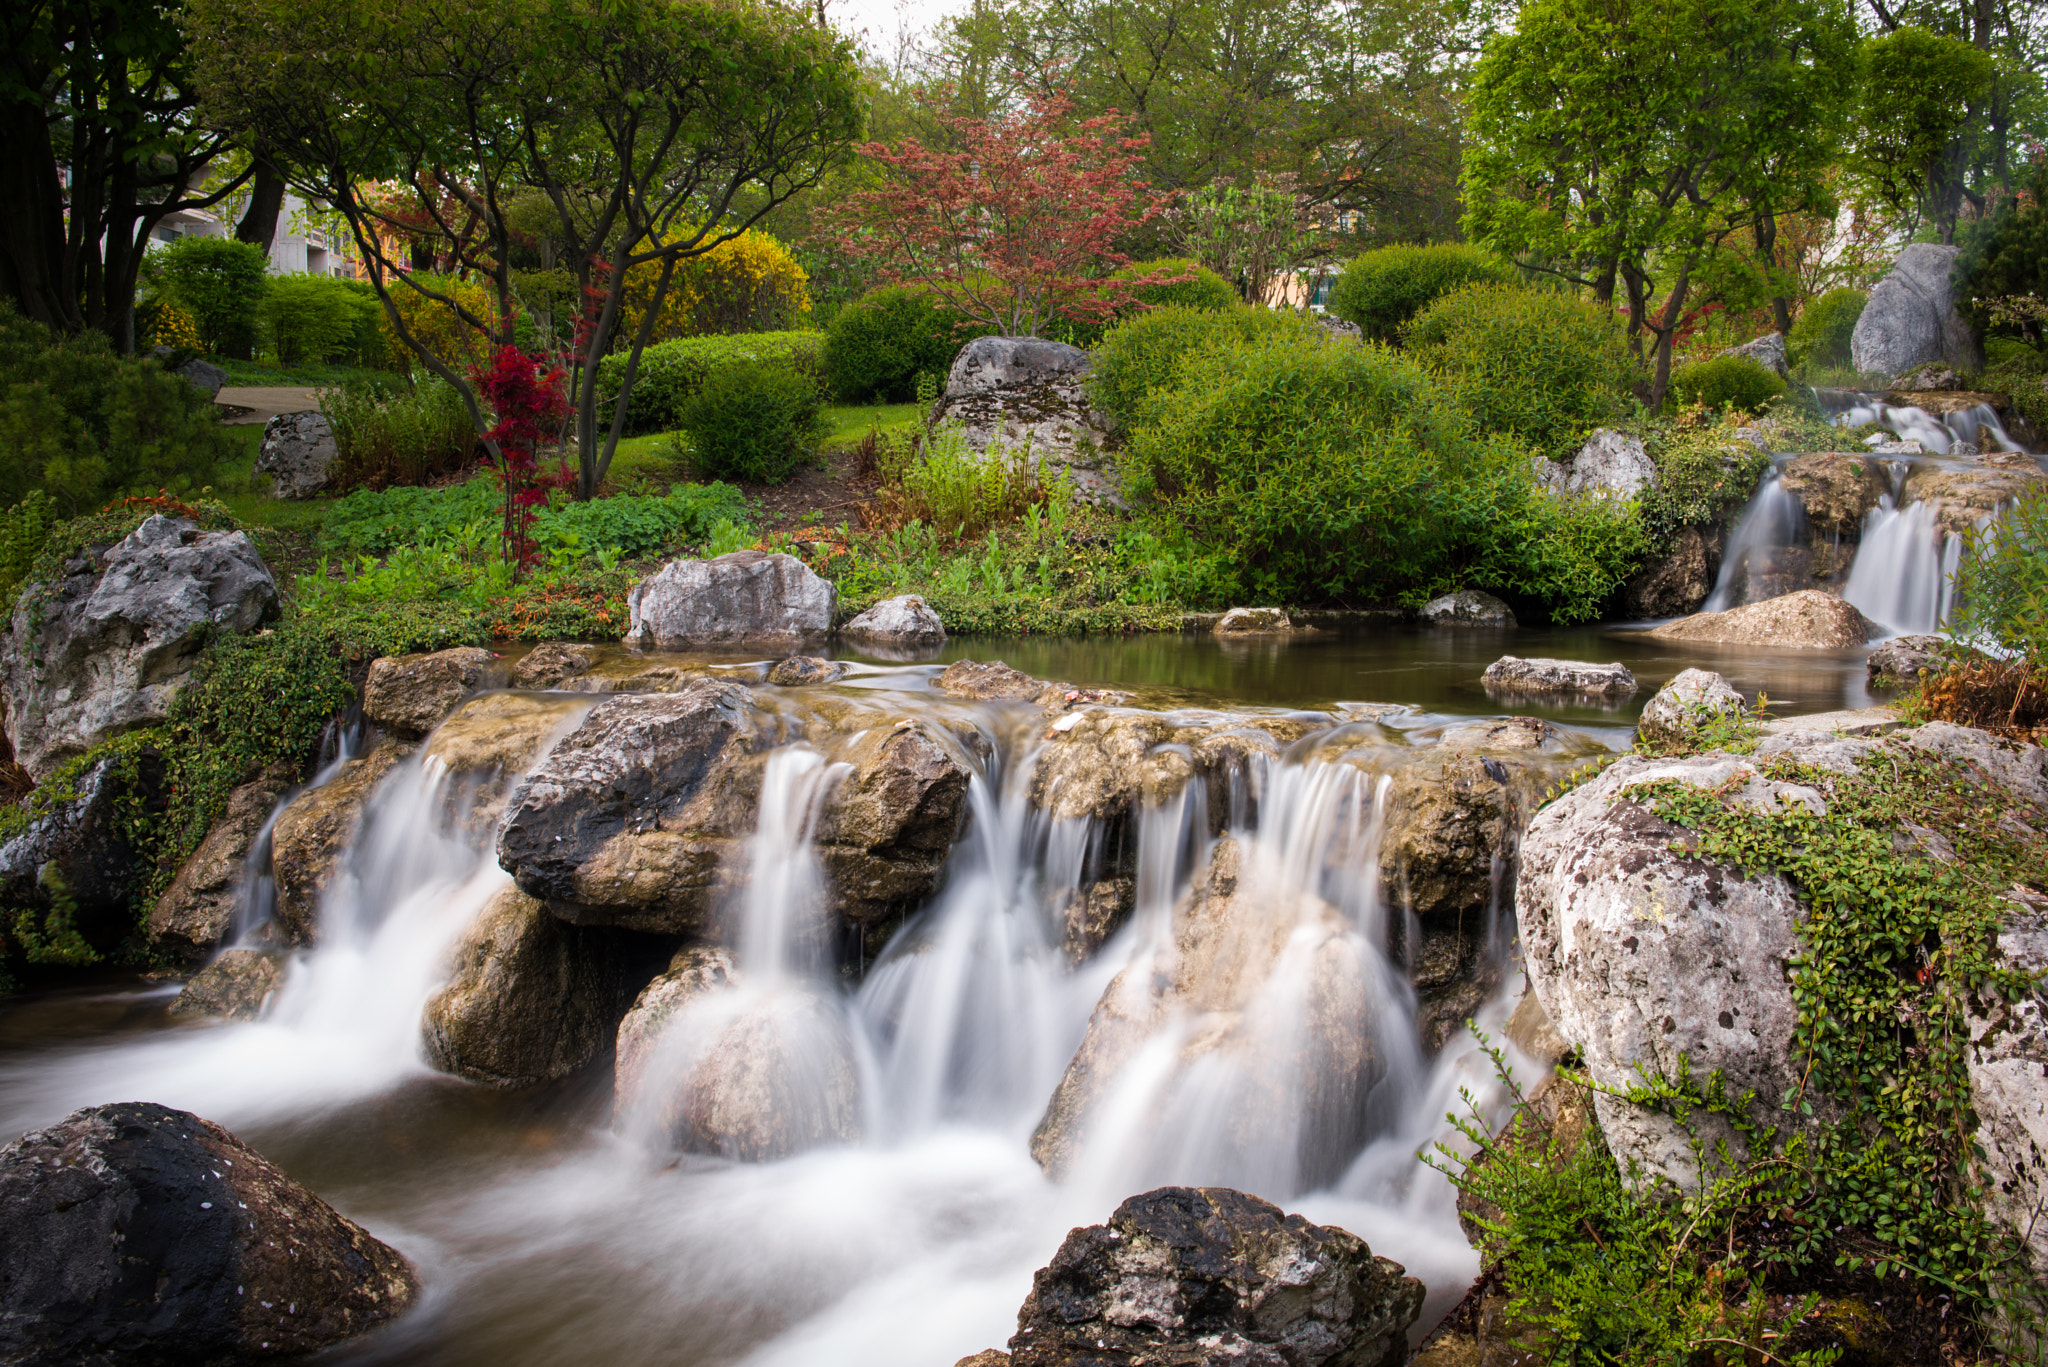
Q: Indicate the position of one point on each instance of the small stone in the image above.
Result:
(906, 620)
(1467, 608)
(1512, 674)
(1679, 707)
(799, 670)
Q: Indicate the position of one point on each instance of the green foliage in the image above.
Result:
(1821, 333)
(84, 424)
(378, 523)
(1140, 359)
(1727, 382)
(24, 529)
(1542, 366)
(2002, 579)
(1701, 477)
(1383, 289)
(220, 283)
(955, 490)
(1918, 88)
(671, 372)
(1205, 289)
(317, 318)
(1567, 555)
(397, 432)
(753, 422)
(879, 343)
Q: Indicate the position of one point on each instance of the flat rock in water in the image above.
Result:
(551, 663)
(1468, 608)
(748, 596)
(1513, 674)
(1254, 622)
(136, 1234)
(1805, 620)
(989, 679)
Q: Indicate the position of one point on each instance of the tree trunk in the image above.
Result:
(266, 202)
(32, 223)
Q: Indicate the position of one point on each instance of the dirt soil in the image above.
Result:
(824, 495)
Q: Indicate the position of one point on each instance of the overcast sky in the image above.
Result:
(881, 22)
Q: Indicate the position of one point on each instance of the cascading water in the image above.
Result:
(1903, 577)
(1767, 528)
(1975, 428)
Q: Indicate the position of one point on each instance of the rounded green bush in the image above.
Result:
(1542, 366)
(756, 422)
(1382, 289)
(313, 318)
(670, 372)
(878, 344)
(221, 283)
(1727, 381)
(1205, 289)
(1142, 357)
(1820, 334)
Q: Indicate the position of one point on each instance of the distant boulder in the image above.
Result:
(742, 598)
(298, 452)
(1468, 608)
(1611, 464)
(1027, 393)
(1767, 351)
(1805, 620)
(1912, 319)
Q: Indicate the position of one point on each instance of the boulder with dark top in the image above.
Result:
(235, 986)
(1912, 319)
(133, 1235)
(1767, 351)
(1805, 620)
(1191, 1275)
(109, 645)
(1678, 580)
(298, 452)
(1467, 608)
(1610, 465)
(1453, 812)
(906, 620)
(888, 826)
(1255, 622)
(204, 376)
(800, 670)
(309, 837)
(1024, 393)
(1901, 661)
(737, 599)
(551, 663)
(412, 694)
(76, 848)
(199, 905)
(487, 745)
(1513, 674)
(1693, 698)
(1836, 490)
(530, 998)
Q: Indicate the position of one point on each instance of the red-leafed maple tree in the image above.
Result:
(1018, 226)
(529, 395)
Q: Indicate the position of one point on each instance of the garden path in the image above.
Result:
(250, 404)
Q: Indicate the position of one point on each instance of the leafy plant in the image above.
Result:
(1821, 333)
(952, 488)
(754, 422)
(1140, 359)
(529, 395)
(1727, 382)
(881, 342)
(220, 284)
(395, 432)
(671, 372)
(2002, 578)
(315, 318)
(1381, 290)
(749, 283)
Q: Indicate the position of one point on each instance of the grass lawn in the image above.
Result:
(306, 376)
(247, 494)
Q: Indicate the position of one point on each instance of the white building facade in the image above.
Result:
(297, 247)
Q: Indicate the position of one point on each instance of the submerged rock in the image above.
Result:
(1254, 622)
(311, 835)
(136, 1234)
(1680, 707)
(297, 452)
(413, 694)
(1512, 674)
(235, 986)
(1209, 1275)
(552, 663)
(109, 645)
(906, 620)
(1468, 608)
(800, 670)
(1805, 620)
(199, 906)
(747, 596)
(1912, 319)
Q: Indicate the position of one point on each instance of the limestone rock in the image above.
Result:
(1767, 351)
(1095, 913)
(1512, 674)
(487, 745)
(1805, 620)
(109, 645)
(692, 973)
(986, 679)
(203, 376)
(298, 452)
(906, 620)
(2008, 1070)
(1611, 465)
(1467, 608)
(234, 986)
(1680, 579)
(885, 831)
(1911, 318)
(1023, 393)
(199, 906)
(799, 670)
(311, 834)
(1102, 762)
(1452, 817)
(1254, 622)
(531, 999)
(1901, 660)
(1209, 1275)
(747, 596)
(1337, 327)
(1837, 490)
(136, 1234)
(78, 845)
(1679, 707)
(1961, 497)
(550, 664)
(412, 694)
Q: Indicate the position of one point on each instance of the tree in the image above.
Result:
(98, 114)
(1920, 136)
(1621, 143)
(1248, 234)
(654, 130)
(1019, 226)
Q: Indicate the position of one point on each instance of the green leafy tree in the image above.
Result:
(1618, 144)
(1920, 125)
(221, 283)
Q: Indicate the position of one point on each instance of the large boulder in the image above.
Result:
(1467, 608)
(298, 452)
(412, 694)
(1805, 620)
(1681, 707)
(310, 836)
(1836, 490)
(1186, 1275)
(1912, 319)
(237, 985)
(199, 906)
(136, 1234)
(531, 998)
(1513, 674)
(1023, 393)
(74, 848)
(888, 826)
(1767, 351)
(1679, 579)
(742, 598)
(906, 620)
(109, 645)
(204, 376)
(1611, 465)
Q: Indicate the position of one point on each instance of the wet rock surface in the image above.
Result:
(800, 670)
(983, 680)
(887, 827)
(311, 835)
(1468, 608)
(77, 849)
(109, 645)
(1836, 490)
(1805, 620)
(1680, 579)
(1959, 498)
(487, 746)
(1680, 707)
(1096, 912)
(551, 664)
(136, 1234)
(1254, 622)
(234, 986)
(412, 694)
(1197, 1275)
(297, 452)
(199, 906)
(747, 596)
(1512, 674)
(906, 620)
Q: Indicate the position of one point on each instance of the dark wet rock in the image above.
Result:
(1690, 700)
(1912, 319)
(136, 1234)
(552, 663)
(982, 680)
(693, 972)
(1467, 608)
(530, 998)
(1254, 622)
(799, 670)
(1449, 837)
(1097, 911)
(311, 835)
(1024, 393)
(887, 827)
(297, 453)
(413, 694)
(748, 596)
(906, 620)
(1836, 489)
(77, 849)
(1805, 620)
(109, 645)
(1678, 580)
(199, 906)
(1196, 1275)
(1454, 972)
(234, 986)
(204, 376)
(1513, 674)
(1901, 660)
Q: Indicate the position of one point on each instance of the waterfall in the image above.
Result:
(1769, 525)
(1939, 435)
(1904, 574)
